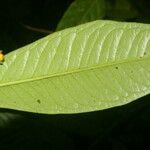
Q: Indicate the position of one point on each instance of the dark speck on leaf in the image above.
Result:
(144, 53)
(116, 67)
(39, 101)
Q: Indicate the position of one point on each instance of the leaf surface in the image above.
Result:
(81, 11)
(90, 67)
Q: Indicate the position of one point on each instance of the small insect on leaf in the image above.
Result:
(1, 57)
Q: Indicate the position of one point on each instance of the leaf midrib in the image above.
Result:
(71, 72)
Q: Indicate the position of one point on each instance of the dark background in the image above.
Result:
(15, 14)
(45, 14)
(121, 128)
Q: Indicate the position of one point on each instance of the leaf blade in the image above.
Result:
(82, 11)
(78, 63)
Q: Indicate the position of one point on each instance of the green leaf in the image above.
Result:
(90, 67)
(82, 11)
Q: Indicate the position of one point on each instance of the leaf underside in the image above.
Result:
(90, 67)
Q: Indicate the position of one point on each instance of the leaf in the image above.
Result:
(82, 11)
(90, 67)
(6, 118)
